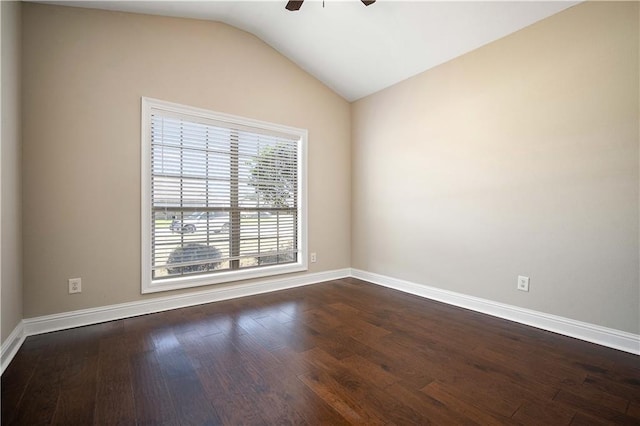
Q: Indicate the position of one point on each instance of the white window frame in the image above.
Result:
(149, 285)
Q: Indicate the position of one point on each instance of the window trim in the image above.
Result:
(149, 285)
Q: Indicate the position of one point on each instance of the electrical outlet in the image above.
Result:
(75, 285)
(314, 258)
(523, 283)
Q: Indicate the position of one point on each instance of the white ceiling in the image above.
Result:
(358, 50)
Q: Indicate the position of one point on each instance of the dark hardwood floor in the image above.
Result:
(342, 352)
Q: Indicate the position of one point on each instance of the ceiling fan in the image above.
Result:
(295, 5)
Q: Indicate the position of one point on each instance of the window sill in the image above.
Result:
(220, 277)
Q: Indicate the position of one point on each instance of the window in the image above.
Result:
(223, 197)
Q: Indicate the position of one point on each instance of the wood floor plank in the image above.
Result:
(355, 411)
(153, 401)
(230, 400)
(114, 396)
(192, 406)
(273, 400)
(378, 374)
(14, 381)
(399, 361)
(634, 410)
(540, 369)
(596, 397)
(320, 318)
(543, 412)
(582, 419)
(623, 389)
(444, 364)
(313, 410)
(599, 406)
(492, 398)
(186, 390)
(40, 399)
(365, 390)
(253, 353)
(437, 391)
(77, 392)
(431, 410)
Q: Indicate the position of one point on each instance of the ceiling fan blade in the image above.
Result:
(368, 2)
(294, 5)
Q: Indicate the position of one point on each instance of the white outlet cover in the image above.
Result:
(523, 283)
(75, 285)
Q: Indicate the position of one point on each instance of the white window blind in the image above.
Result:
(224, 197)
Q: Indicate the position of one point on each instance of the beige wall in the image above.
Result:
(11, 241)
(84, 74)
(520, 158)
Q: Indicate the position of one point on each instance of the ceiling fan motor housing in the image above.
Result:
(296, 5)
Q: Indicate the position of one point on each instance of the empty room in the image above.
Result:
(320, 212)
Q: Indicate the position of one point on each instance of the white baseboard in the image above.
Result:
(11, 345)
(604, 336)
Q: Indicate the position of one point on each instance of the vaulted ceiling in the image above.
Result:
(358, 50)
